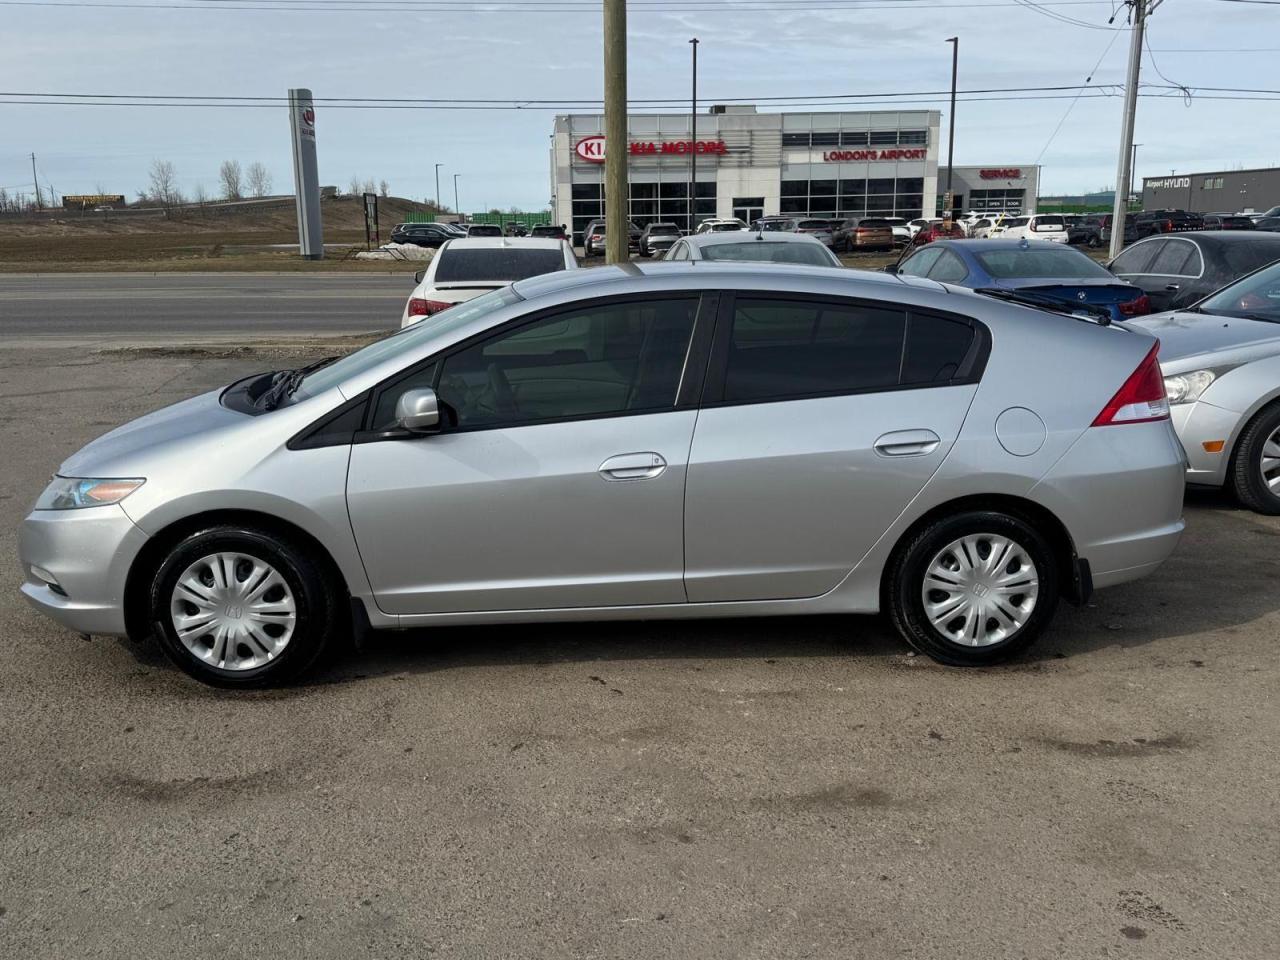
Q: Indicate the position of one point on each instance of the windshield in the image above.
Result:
(765, 251)
(1256, 297)
(725, 227)
(492, 264)
(814, 225)
(1064, 264)
(663, 228)
(405, 340)
(775, 224)
(485, 230)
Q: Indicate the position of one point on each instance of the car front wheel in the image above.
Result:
(238, 607)
(972, 589)
(1255, 468)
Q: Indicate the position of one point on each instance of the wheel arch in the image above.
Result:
(153, 551)
(1077, 584)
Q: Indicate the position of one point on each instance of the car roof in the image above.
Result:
(505, 243)
(1005, 243)
(760, 236)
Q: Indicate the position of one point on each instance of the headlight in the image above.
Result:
(72, 493)
(1187, 387)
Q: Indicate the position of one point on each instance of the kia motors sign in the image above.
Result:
(1009, 173)
(591, 149)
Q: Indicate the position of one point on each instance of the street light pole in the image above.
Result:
(693, 143)
(457, 208)
(951, 136)
(438, 166)
(616, 199)
(1124, 173)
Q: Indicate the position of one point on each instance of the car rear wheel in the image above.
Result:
(972, 589)
(238, 607)
(1255, 468)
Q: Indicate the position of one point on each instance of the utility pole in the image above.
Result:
(693, 143)
(951, 137)
(1124, 172)
(456, 208)
(616, 199)
(438, 166)
(36, 182)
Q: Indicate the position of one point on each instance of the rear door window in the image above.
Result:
(949, 268)
(918, 264)
(782, 349)
(1172, 261)
(937, 348)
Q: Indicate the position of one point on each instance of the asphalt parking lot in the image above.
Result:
(732, 789)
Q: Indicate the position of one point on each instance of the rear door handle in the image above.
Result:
(1172, 287)
(633, 466)
(907, 443)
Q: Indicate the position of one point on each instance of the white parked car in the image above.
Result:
(1038, 226)
(728, 224)
(469, 266)
(901, 231)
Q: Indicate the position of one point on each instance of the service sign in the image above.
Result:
(591, 149)
(1008, 173)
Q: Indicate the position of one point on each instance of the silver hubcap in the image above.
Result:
(233, 611)
(1271, 462)
(980, 590)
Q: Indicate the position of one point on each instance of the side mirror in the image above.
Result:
(418, 275)
(891, 268)
(418, 411)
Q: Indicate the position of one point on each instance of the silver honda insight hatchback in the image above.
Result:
(673, 440)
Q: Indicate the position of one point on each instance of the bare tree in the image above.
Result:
(229, 178)
(164, 183)
(383, 188)
(370, 186)
(354, 188)
(200, 195)
(259, 179)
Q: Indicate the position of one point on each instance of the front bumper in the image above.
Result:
(1199, 423)
(88, 554)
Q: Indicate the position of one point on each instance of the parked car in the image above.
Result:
(982, 227)
(1037, 226)
(631, 442)
(515, 229)
(774, 224)
(721, 225)
(549, 230)
(1044, 270)
(1151, 222)
(1274, 212)
(593, 238)
(772, 246)
(430, 235)
(1271, 224)
(868, 233)
(901, 232)
(1176, 271)
(820, 230)
(484, 230)
(1095, 231)
(467, 267)
(657, 238)
(1227, 221)
(1221, 366)
(938, 230)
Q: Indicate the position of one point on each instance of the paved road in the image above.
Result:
(135, 306)
(715, 790)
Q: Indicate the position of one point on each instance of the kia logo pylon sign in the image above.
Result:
(590, 149)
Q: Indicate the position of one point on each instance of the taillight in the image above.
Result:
(1140, 399)
(1136, 308)
(597, 236)
(425, 308)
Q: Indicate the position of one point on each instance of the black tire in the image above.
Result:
(903, 589)
(1245, 472)
(1094, 241)
(322, 614)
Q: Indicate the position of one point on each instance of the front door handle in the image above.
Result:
(1172, 287)
(633, 466)
(907, 443)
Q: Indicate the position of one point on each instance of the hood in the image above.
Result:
(126, 451)
(1183, 334)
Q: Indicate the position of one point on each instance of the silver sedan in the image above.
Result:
(1221, 363)
(761, 246)
(631, 442)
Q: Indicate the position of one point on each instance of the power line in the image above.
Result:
(508, 6)
(1072, 105)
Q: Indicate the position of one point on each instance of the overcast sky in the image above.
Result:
(503, 155)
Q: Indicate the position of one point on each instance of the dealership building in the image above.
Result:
(1219, 191)
(749, 164)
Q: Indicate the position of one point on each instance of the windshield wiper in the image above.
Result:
(287, 382)
(1079, 310)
